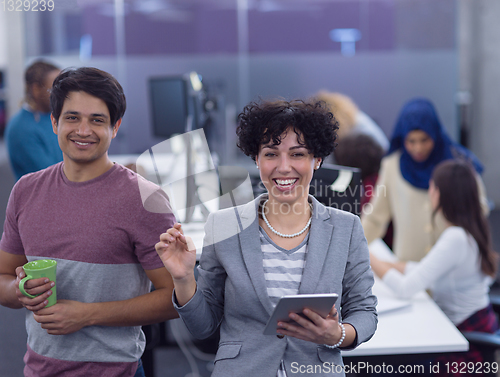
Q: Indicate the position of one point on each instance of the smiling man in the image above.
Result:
(86, 213)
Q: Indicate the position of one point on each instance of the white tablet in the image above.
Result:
(319, 303)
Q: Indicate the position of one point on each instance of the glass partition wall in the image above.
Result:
(379, 52)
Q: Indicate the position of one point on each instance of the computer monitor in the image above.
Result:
(338, 187)
(169, 99)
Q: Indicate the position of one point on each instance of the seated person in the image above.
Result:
(351, 119)
(361, 151)
(418, 144)
(461, 266)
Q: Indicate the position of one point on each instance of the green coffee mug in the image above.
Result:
(43, 268)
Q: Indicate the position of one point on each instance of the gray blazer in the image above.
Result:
(232, 292)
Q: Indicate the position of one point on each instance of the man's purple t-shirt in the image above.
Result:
(103, 239)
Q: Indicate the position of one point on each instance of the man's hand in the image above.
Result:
(63, 318)
(34, 287)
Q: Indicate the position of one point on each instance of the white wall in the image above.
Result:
(380, 86)
(480, 73)
(3, 40)
(13, 60)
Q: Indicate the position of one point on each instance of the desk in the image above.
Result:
(419, 328)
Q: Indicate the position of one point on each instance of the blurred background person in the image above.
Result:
(418, 144)
(361, 151)
(351, 119)
(462, 264)
(30, 141)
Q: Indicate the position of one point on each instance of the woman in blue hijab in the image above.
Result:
(418, 126)
(418, 144)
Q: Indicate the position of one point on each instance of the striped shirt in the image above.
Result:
(282, 268)
(283, 271)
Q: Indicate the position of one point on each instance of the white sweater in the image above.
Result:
(410, 210)
(452, 271)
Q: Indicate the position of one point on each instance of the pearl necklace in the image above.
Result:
(279, 233)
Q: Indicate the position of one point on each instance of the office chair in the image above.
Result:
(338, 187)
(487, 345)
(495, 297)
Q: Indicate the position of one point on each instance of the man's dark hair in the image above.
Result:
(92, 81)
(36, 74)
(359, 151)
(267, 121)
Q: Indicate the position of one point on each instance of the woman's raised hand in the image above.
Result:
(177, 253)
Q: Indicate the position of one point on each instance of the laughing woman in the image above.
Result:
(283, 242)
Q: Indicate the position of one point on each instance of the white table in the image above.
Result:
(420, 327)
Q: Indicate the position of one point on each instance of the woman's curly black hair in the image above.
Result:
(261, 123)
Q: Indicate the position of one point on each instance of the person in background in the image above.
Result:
(351, 119)
(363, 152)
(87, 213)
(291, 244)
(30, 141)
(3, 115)
(461, 265)
(418, 144)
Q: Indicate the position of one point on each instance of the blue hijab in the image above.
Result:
(420, 114)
